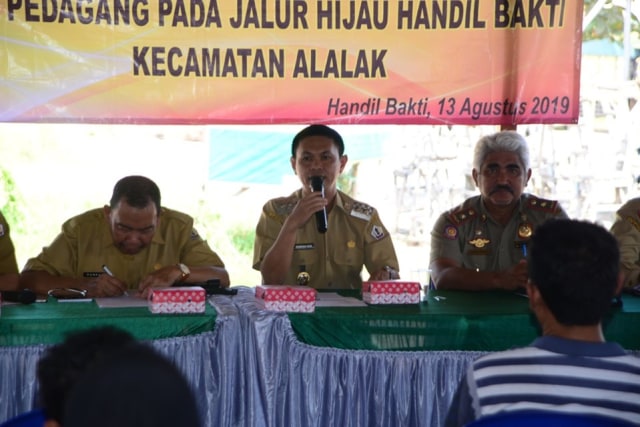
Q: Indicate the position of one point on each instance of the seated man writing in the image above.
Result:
(131, 244)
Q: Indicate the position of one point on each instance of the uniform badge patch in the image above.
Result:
(303, 246)
(479, 242)
(450, 232)
(377, 232)
(92, 274)
(194, 234)
(1, 230)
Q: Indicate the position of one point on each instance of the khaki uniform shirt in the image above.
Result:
(334, 259)
(626, 229)
(8, 263)
(468, 234)
(85, 244)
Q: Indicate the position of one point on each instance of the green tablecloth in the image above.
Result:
(448, 320)
(48, 323)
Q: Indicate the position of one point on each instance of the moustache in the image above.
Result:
(501, 188)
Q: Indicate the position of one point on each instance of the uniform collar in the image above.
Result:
(517, 212)
(339, 198)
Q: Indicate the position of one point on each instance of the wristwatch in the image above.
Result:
(184, 270)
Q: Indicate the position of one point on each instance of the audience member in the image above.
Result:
(626, 229)
(64, 364)
(482, 243)
(136, 387)
(132, 243)
(574, 275)
(8, 264)
(60, 368)
(289, 249)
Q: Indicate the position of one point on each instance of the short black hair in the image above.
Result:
(317, 130)
(575, 266)
(136, 387)
(62, 365)
(137, 191)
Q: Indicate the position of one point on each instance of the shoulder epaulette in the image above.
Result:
(633, 220)
(544, 205)
(461, 215)
(284, 205)
(360, 210)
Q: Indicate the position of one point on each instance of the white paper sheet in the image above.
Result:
(332, 299)
(121, 301)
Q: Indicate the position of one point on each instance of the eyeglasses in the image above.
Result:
(67, 293)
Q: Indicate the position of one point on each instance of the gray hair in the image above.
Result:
(506, 140)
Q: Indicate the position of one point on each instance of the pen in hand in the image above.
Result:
(106, 270)
(110, 273)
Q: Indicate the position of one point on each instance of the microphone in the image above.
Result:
(321, 215)
(24, 296)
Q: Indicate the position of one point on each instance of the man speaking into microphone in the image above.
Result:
(319, 236)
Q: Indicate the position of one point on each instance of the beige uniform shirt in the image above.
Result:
(626, 229)
(85, 244)
(355, 238)
(8, 263)
(468, 234)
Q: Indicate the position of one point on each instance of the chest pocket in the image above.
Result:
(348, 252)
(305, 254)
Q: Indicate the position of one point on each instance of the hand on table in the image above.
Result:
(515, 277)
(105, 286)
(164, 277)
(385, 273)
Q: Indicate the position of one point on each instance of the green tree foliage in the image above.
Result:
(242, 239)
(609, 23)
(10, 202)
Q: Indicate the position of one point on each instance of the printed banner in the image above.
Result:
(499, 62)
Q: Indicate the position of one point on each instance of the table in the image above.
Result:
(373, 366)
(205, 347)
(48, 323)
(309, 370)
(448, 320)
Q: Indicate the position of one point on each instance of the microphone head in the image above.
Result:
(317, 183)
(25, 296)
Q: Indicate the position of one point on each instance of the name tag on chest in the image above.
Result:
(303, 246)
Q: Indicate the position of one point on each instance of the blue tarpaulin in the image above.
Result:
(261, 154)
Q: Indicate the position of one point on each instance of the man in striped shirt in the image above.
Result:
(573, 278)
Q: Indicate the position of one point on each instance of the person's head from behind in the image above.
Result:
(136, 387)
(575, 267)
(133, 213)
(61, 366)
(318, 150)
(501, 167)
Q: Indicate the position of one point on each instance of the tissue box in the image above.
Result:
(177, 300)
(391, 292)
(287, 298)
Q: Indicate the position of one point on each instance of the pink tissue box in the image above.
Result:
(391, 292)
(287, 298)
(177, 300)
